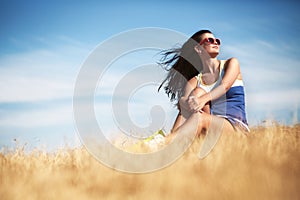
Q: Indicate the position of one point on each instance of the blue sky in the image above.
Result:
(44, 43)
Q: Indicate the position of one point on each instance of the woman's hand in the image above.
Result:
(195, 104)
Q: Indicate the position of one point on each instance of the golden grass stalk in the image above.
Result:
(264, 165)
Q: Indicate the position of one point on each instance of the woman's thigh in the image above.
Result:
(198, 123)
(211, 123)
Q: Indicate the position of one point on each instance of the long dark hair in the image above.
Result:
(182, 64)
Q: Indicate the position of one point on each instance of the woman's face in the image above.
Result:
(212, 48)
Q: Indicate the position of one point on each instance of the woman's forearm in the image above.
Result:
(214, 94)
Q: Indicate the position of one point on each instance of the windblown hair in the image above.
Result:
(182, 64)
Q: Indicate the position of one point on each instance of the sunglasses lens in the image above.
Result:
(210, 40)
(218, 41)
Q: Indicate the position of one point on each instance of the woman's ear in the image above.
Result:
(198, 49)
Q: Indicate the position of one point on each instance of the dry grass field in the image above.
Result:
(265, 165)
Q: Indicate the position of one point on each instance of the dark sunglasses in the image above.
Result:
(211, 41)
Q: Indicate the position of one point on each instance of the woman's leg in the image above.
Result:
(185, 127)
(184, 111)
(200, 122)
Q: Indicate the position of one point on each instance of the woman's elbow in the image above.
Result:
(226, 86)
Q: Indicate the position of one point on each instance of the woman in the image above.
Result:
(204, 88)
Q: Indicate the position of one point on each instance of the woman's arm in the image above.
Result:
(184, 109)
(232, 71)
(190, 86)
(198, 92)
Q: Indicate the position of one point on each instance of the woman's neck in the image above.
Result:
(212, 66)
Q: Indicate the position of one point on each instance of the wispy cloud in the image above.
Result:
(33, 89)
(40, 74)
(38, 117)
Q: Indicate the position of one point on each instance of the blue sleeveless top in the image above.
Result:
(232, 104)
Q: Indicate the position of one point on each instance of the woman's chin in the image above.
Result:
(213, 54)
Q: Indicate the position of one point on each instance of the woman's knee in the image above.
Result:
(204, 122)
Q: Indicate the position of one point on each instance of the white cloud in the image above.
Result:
(39, 75)
(273, 100)
(56, 115)
(27, 89)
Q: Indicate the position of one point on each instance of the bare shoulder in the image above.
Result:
(232, 66)
(193, 80)
(190, 85)
(232, 61)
